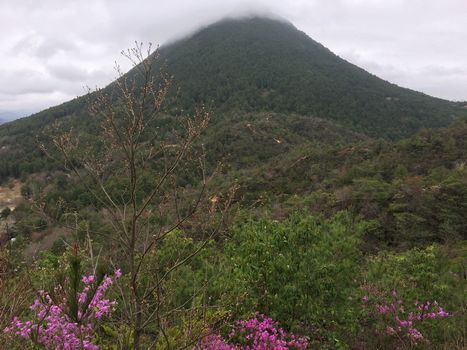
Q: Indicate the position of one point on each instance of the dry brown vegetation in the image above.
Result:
(10, 195)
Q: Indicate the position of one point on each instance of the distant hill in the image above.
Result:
(6, 116)
(245, 69)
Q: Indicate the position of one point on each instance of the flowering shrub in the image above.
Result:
(398, 320)
(63, 326)
(259, 333)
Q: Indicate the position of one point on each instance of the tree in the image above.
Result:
(137, 175)
(5, 213)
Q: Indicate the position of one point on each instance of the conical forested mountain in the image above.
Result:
(259, 64)
(245, 69)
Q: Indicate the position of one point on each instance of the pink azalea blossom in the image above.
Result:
(259, 333)
(401, 323)
(54, 328)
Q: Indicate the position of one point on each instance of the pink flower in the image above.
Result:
(382, 309)
(259, 333)
(88, 279)
(415, 335)
(401, 320)
(405, 323)
(54, 328)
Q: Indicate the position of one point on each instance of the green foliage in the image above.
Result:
(5, 213)
(431, 274)
(414, 196)
(304, 271)
(187, 281)
(28, 221)
(418, 274)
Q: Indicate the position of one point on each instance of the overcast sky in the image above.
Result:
(51, 49)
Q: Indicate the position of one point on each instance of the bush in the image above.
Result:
(304, 272)
(418, 276)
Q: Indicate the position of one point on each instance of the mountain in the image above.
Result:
(246, 70)
(259, 64)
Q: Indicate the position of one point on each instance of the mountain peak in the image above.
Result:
(237, 20)
(253, 18)
(258, 63)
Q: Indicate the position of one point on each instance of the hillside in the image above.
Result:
(415, 190)
(253, 66)
(265, 65)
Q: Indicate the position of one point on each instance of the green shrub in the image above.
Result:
(304, 272)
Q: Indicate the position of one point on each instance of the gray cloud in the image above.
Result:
(33, 44)
(25, 81)
(50, 49)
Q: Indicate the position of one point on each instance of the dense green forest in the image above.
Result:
(279, 198)
(292, 73)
